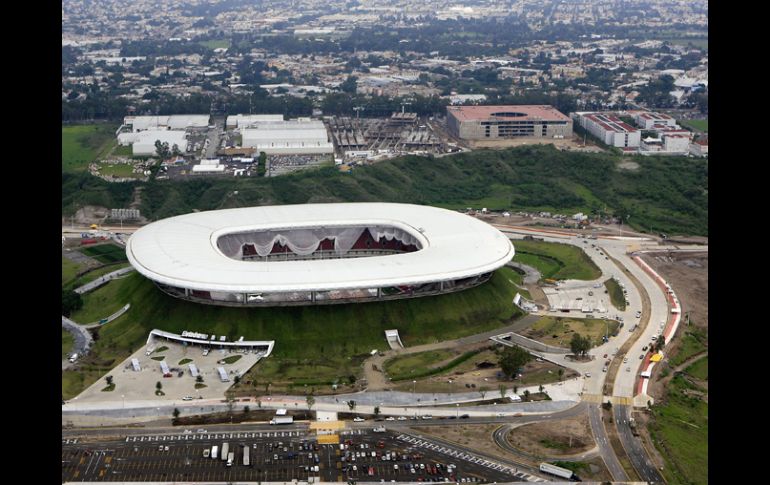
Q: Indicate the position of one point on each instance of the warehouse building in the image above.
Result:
(610, 129)
(245, 121)
(505, 122)
(172, 122)
(293, 137)
(144, 141)
(648, 120)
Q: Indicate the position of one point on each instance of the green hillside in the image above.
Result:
(665, 194)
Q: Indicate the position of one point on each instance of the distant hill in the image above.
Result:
(663, 194)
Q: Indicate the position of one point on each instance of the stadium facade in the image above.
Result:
(315, 254)
(505, 122)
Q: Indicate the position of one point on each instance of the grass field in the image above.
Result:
(558, 331)
(215, 44)
(701, 125)
(118, 170)
(123, 151)
(312, 343)
(699, 369)
(693, 342)
(82, 144)
(94, 274)
(557, 261)
(617, 298)
(67, 342)
(680, 430)
(419, 364)
(105, 253)
(69, 270)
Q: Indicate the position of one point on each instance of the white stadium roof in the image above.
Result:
(182, 251)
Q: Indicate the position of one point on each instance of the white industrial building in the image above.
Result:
(699, 148)
(144, 141)
(648, 120)
(293, 137)
(172, 122)
(610, 129)
(244, 121)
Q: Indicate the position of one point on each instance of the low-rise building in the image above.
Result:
(496, 122)
(609, 129)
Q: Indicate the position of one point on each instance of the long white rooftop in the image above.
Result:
(182, 251)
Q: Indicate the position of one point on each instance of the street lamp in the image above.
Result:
(457, 414)
(414, 385)
(124, 400)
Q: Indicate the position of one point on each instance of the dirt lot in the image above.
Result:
(477, 436)
(688, 275)
(554, 439)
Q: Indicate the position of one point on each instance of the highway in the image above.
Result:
(633, 446)
(603, 441)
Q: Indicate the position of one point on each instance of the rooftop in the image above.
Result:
(517, 112)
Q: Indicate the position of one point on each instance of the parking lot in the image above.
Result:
(277, 456)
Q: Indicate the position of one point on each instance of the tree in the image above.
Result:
(310, 401)
(237, 379)
(158, 386)
(199, 379)
(351, 405)
(526, 394)
(162, 149)
(376, 410)
(579, 345)
(70, 302)
(483, 391)
(502, 390)
(176, 413)
(561, 372)
(109, 380)
(175, 150)
(246, 409)
(349, 85)
(541, 388)
(660, 343)
(512, 359)
(515, 389)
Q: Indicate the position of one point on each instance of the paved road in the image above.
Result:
(83, 339)
(603, 441)
(633, 446)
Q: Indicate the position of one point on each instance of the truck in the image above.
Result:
(73, 357)
(214, 451)
(225, 449)
(379, 429)
(282, 420)
(246, 456)
(556, 470)
(230, 458)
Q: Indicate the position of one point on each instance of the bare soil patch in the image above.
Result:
(554, 439)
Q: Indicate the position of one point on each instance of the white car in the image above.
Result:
(588, 374)
(402, 418)
(390, 418)
(187, 398)
(358, 419)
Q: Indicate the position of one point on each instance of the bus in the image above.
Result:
(225, 448)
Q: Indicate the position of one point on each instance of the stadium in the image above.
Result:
(316, 254)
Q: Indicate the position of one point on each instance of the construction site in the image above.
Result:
(371, 139)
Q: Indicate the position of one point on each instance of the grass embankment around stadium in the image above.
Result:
(556, 261)
(315, 345)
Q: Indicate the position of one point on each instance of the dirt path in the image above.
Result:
(378, 380)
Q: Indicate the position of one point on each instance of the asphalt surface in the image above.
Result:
(275, 458)
(603, 441)
(633, 446)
